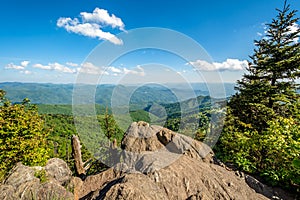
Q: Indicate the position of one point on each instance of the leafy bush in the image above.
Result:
(22, 135)
(272, 154)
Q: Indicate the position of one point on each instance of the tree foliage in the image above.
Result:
(22, 135)
(261, 132)
(110, 127)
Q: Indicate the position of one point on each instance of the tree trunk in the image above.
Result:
(76, 148)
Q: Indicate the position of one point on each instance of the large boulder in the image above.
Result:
(58, 170)
(27, 183)
(20, 174)
(161, 164)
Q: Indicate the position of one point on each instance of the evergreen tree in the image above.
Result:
(269, 87)
(261, 134)
(109, 127)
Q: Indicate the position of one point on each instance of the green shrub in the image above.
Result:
(22, 136)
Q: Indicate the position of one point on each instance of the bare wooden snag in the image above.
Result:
(76, 148)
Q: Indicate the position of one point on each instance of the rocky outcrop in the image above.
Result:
(161, 164)
(27, 183)
(156, 164)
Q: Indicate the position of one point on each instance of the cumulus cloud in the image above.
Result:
(40, 66)
(61, 68)
(229, 64)
(25, 63)
(71, 64)
(115, 70)
(90, 68)
(55, 67)
(21, 66)
(91, 25)
(138, 71)
(13, 66)
(102, 16)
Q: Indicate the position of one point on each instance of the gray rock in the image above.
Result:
(150, 148)
(7, 192)
(272, 193)
(28, 190)
(58, 170)
(166, 165)
(22, 183)
(20, 174)
(49, 191)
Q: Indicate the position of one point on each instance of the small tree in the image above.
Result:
(22, 136)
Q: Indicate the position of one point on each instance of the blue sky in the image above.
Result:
(51, 40)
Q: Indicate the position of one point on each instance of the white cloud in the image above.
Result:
(55, 67)
(26, 72)
(229, 64)
(102, 16)
(40, 66)
(22, 65)
(25, 63)
(13, 66)
(91, 25)
(115, 70)
(61, 68)
(71, 64)
(138, 71)
(90, 68)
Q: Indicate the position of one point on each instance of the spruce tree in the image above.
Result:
(269, 88)
(261, 134)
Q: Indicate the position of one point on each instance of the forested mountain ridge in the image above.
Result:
(46, 93)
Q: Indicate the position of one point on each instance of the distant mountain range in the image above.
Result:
(42, 93)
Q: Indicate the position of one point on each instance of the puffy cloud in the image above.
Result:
(91, 25)
(232, 64)
(71, 64)
(25, 63)
(90, 68)
(138, 71)
(115, 70)
(22, 65)
(13, 66)
(229, 64)
(40, 66)
(102, 16)
(55, 67)
(61, 68)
